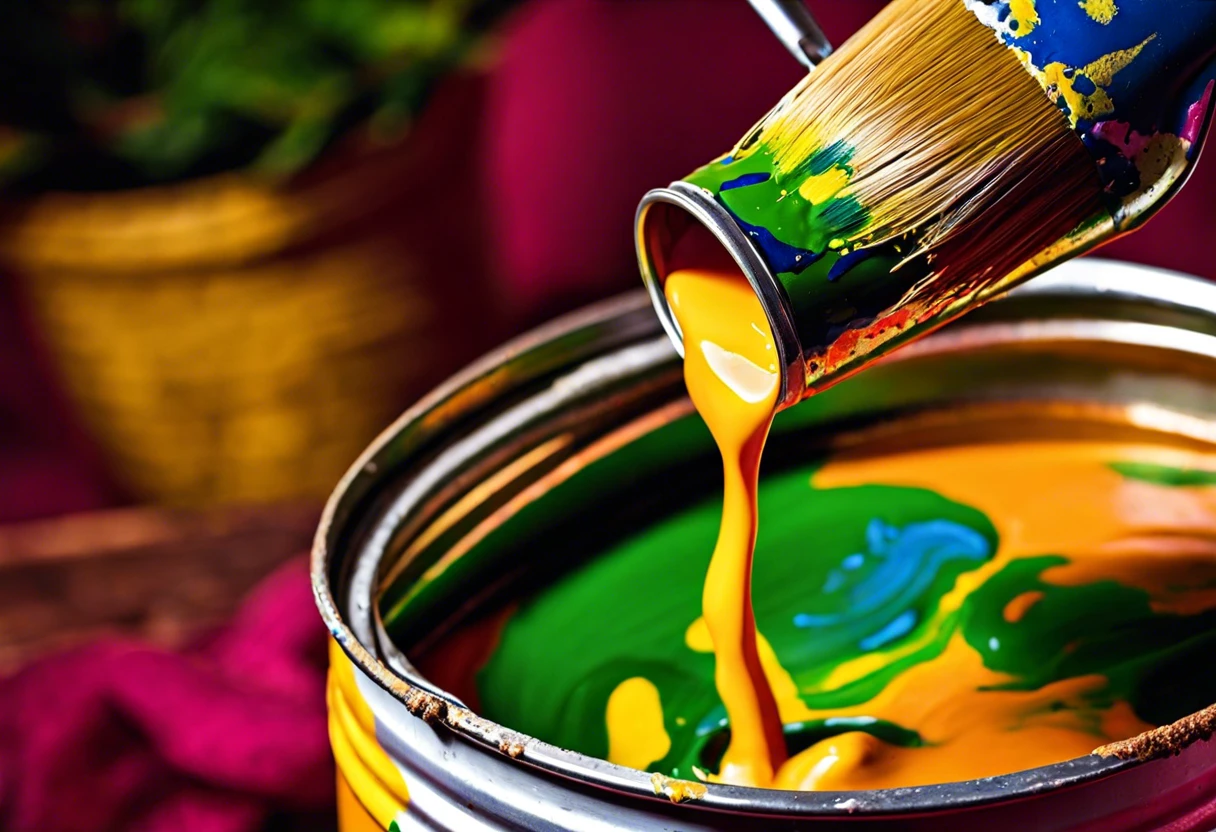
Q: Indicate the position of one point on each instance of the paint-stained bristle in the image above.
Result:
(939, 132)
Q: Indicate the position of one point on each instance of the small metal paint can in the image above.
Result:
(526, 442)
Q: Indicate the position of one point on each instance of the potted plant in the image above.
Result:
(242, 226)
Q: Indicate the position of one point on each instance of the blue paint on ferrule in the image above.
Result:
(1150, 93)
(781, 257)
(745, 180)
(1124, 106)
(848, 261)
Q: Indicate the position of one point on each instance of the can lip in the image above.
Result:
(699, 204)
(357, 488)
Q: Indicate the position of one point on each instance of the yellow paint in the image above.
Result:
(636, 736)
(970, 730)
(369, 784)
(1026, 15)
(1103, 11)
(730, 367)
(677, 791)
(819, 189)
(1102, 71)
(1138, 533)
(697, 637)
(1059, 80)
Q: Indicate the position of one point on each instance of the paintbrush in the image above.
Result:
(948, 151)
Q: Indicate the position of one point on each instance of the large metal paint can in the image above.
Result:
(458, 483)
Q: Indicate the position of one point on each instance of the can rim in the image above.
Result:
(700, 205)
(1078, 278)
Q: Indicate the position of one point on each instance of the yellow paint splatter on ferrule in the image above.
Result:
(1026, 16)
(1102, 11)
(822, 187)
(1059, 80)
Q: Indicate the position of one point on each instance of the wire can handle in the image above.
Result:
(792, 23)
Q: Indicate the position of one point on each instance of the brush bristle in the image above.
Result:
(942, 137)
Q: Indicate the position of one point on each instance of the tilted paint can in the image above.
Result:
(458, 482)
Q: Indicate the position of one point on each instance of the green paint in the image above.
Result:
(625, 613)
(1164, 474)
(1159, 662)
(839, 573)
(775, 203)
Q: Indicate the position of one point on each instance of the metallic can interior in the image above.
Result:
(1100, 337)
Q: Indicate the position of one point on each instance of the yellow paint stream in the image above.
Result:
(730, 367)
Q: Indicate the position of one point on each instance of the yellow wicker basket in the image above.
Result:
(226, 341)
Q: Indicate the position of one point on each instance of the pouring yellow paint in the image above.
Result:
(731, 370)
(1100, 549)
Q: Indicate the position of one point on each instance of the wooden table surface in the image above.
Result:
(157, 574)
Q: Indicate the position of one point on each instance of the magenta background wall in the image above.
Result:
(590, 104)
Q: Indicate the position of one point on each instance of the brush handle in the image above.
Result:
(794, 26)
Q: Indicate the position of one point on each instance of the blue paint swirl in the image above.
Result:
(894, 572)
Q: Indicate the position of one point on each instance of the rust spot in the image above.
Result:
(426, 706)
(677, 791)
(454, 717)
(1165, 741)
(511, 748)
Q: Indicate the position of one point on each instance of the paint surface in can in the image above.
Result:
(929, 615)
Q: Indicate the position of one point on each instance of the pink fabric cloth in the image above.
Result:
(217, 738)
